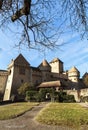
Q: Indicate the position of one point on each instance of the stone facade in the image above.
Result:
(74, 74)
(56, 65)
(20, 71)
(3, 81)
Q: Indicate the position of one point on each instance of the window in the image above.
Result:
(22, 70)
(22, 80)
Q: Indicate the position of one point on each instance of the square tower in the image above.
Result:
(56, 65)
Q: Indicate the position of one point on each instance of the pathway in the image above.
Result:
(27, 122)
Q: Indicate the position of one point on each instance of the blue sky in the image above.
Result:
(74, 52)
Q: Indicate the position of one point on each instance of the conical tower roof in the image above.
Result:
(73, 69)
(44, 65)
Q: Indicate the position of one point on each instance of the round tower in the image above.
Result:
(73, 74)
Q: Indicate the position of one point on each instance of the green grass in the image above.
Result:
(69, 114)
(15, 109)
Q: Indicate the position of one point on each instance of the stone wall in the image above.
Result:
(3, 80)
(36, 76)
(84, 92)
(75, 93)
(8, 85)
(78, 93)
(19, 78)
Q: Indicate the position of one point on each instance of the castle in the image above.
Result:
(45, 75)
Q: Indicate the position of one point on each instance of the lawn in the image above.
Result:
(15, 109)
(69, 114)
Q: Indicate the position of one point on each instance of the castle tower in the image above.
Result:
(19, 72)
(73, 74)
(56, 65)
(45, 69)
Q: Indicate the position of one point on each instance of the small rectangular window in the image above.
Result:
(22, 80)
(22, 70)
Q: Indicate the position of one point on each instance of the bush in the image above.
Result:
(42, 95)
(63, 97)
(69, 99)
(30, 95)
(45, 94)
(84, 99)
(53, 95)
(38, 97)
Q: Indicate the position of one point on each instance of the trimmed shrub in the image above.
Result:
(30, 95)
(84, 99)
(63, 97)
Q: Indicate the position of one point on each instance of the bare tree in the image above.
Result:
(40, 22)
(35, 20)
(75, 13)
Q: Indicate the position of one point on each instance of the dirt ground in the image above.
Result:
(27, 122)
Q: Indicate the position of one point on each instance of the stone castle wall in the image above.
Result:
(3, 80)
(20, 76)
(20, 72)
(78, 93)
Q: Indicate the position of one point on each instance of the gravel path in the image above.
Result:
(84, 104)
(27, 122)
